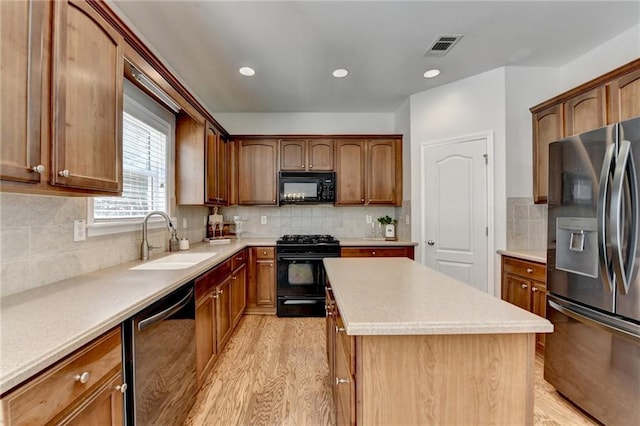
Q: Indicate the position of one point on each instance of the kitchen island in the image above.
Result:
(409, 345)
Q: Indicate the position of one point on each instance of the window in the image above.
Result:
(147, 139)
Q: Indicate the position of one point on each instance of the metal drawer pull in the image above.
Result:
(82, 378)
(534, 288)
(529, 270)
(340, 329)
(38, 169)
(122, 388)
(341, 381)
(64, 173)
(524, 285)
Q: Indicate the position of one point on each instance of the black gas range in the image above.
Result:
(300, 274)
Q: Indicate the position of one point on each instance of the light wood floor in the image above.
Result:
(274, 372)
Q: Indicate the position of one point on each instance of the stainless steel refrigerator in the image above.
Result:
(593, 355)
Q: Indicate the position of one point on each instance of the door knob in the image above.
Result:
(431, 242)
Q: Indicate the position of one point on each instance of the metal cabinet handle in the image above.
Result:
(534, 288)
(373, 253)
(82, 378)
(64, 173)
(234, 277)
(340, 329)
(524, 286)
(122, 388)
(529, 270)
(264, 253)
(220, 291)
(38, 169)
(362, 200)
(311, 166)
(340, 381)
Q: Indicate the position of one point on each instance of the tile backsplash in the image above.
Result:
(526, 224)
(37, 247)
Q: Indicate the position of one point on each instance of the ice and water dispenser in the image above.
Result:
(577, 245)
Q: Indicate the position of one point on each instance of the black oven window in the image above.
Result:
(301, 274)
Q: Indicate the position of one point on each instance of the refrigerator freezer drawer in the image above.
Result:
(593, 365)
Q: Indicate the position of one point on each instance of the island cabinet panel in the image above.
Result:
(447, 384)
(378, 251)
(258, 172)
(85, 385)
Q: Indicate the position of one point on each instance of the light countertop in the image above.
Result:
(41, 326)
(539, 256)
(396, 296)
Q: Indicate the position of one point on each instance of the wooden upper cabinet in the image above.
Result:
(350, 172)
(624, 97)
(87, 63)
(257, 171)
(585, 112)
(384, 186)
(547, 128)
(217, 168)
(306, 155)
(368, 171)
(20, 90)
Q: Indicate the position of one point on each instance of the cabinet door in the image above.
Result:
(238, 294)
(293, 155)
(381, 169)
(330, 332)
(87, 99)
(223, 312)
(216, 170)
(20, 89)
(265, 283)
(624, 97)
(320, 155)
(104, 407)
(585, 112)
(547, 128)
(539, 307)
(205, 335)
(350, 172)
(517, 291)
(257, 170)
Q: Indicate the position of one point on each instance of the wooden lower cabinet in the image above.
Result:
(85, 387)
(524, 285)
(379, 251)
(261, 291)
(238, 286)
(425, 379)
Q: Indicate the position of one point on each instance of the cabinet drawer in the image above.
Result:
(206, 282)
(347, 343)
(374, 252)
(46, 396)
(238, 259)
(531, 270)
(265, 252)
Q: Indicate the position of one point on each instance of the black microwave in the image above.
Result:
(307, 187)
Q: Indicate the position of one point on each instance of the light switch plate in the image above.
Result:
(79, 230)
(368, 218)
(263, 220)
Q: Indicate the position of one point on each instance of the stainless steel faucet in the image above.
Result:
(146, 247)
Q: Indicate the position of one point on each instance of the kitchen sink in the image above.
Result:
(175, 261)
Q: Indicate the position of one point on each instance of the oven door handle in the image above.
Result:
(306, 258)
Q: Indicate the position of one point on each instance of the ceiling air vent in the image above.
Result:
(442, 45)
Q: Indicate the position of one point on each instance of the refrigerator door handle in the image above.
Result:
(625, 167)
(594, 319)
(607, 171)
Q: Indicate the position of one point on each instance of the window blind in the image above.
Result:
(144, 174)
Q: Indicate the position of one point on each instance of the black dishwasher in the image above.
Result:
(160, 361)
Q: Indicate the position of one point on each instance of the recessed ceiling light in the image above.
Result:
(247, 71)
(431, 73)
(340, 73)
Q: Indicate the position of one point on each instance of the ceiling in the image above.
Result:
(295, 45)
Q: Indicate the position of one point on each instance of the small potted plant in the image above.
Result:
(389, 227)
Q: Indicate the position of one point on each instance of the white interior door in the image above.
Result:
(455, 217)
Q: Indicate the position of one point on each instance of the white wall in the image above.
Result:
(403, 126)
(470, 106)
(306, 123)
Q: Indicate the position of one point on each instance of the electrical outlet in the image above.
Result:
(263, 220)
(407, 220)
(79, 230)
(368, 218)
